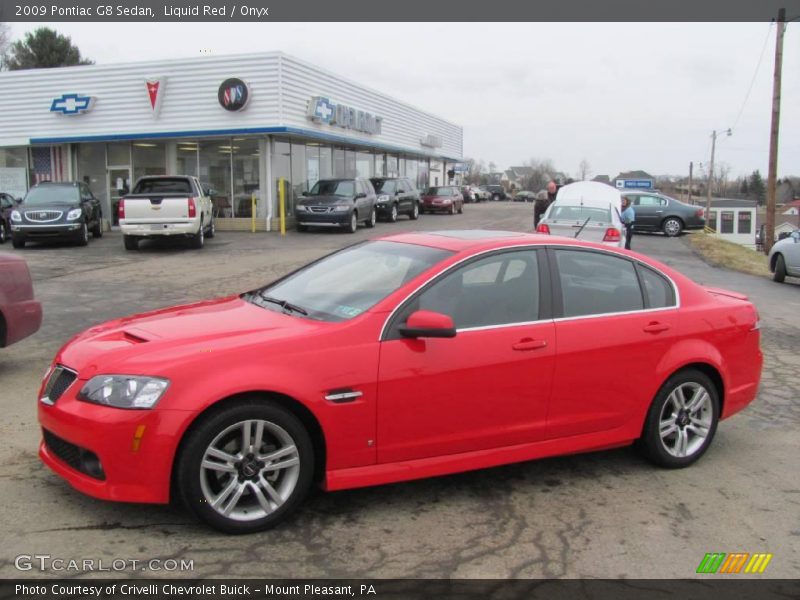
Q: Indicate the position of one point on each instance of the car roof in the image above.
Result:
(57, 183)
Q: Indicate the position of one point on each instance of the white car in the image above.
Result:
(166, 205)
(784, 257)
(587, 210)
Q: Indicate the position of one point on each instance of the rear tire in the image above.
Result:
(780, 269)
(212, 229)
(682, 420)
(131, 242)
(199, 238)
(414, 215)
(672, 227)
(241, 494)
(97, 230)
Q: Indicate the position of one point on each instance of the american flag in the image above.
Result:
(48, 164)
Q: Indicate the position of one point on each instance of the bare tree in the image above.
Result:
(5, 42)
(584, 170)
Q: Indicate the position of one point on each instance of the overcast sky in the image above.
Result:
(622, 96)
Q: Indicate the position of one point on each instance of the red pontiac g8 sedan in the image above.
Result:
(409, 356)
(20, 312)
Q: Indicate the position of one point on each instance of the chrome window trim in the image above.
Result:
(528, 246)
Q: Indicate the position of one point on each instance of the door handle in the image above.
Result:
(529, 344)
(656, 327)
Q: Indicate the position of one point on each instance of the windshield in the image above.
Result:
(440, 191)
(52, 194)
(383, 186)
(345, 284)
(581, 213)
(175, 185)
(335, 187)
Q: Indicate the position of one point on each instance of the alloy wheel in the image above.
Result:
(249, 470)
(686, 419)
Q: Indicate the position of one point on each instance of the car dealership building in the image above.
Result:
(238, 123)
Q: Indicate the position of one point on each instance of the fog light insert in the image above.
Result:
(78, 458)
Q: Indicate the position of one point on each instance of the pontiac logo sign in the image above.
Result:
(155, 92)
(233, 94)
(322, 110)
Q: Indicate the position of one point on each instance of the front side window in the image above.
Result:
(501, 289)
(347, 283)
(595, 283)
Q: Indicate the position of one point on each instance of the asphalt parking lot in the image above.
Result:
(606, 514)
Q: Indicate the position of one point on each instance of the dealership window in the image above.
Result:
(727, 222)
(595, 283)
(282, 167)
(215, 170)
(13, 158)
(187, 158)
(118, 154)
(246, 175)
(364, 165)
(149, 158)
(325, 162)
(712, 220)
(298, 170)
(392, 169)
(745, 222)
(380, 165)
(91, 164)
(411, 169)
(423, 174)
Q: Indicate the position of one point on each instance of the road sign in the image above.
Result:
(635, 184)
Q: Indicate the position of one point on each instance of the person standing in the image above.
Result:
(628, 217)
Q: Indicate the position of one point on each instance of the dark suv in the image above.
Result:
(656, 212)
(496, 192)
(7, 204)
(396, 196)
(337, 203)
(57, 211)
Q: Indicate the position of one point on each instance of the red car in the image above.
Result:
(409, 356)
(20, 313)
(445, 198)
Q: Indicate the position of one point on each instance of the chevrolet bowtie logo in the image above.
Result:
(71, 104)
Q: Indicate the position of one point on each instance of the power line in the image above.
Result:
(753, 80)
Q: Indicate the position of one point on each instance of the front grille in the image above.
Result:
(43, 216)
(60, 379)
(76, 457)
(320, 209)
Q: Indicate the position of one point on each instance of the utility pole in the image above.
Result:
(691, 167)
(769, 234)
(710, 173)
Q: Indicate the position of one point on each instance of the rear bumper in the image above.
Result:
(159, 229)
(22, 319)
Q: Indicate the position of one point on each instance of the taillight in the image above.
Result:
(192, 208)
(121, 209)
(543, 228)
(612, 235)
(699, 212)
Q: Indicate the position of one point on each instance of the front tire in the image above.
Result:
(414, 215)
(18, 244)
(460, 209)
(212, 229)
(97, 230)
(353, 226)
(780, 269)
(393, 214)
(246, 468)
(681, 421)
(4, 235)
(672, 227)
(83, 239)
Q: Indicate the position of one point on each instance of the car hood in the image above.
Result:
(136, 343)
(324, 200)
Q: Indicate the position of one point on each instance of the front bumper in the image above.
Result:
(437, 206)
(24, 231)
(133, 473)
(330, 219)
(159, 229)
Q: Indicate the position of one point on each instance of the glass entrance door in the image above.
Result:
(119, 183)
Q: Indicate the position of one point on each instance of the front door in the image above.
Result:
(487, 387)
(119, 184)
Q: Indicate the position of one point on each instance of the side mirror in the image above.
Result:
(360, 195)
(428, 324)
(400, 192)
(304, 194)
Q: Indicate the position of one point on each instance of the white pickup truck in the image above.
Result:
(166, 205)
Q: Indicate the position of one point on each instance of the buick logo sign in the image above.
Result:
(233, 94)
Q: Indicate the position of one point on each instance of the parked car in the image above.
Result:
(337, 203)
(396, 196)
(20, 313)
(7, 204)
(657, 212)
(472, 193)
(524, 196)
(166, 206)
(784, 257)
(588, 210)
(467, 193)
(411, 356)
(497, 192)
(481, 195)
(56, 211)
(443, 198)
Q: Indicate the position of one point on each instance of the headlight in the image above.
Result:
(383, 198)
(341, 208)
(75, 213)
(124, 391)
(16, 216)
(446, 201)
(300, 208)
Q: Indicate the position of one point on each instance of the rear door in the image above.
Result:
(649, 210)
(615, 321)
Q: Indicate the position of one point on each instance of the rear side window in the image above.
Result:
(658, 290)
(595, 283)
(165, 185)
